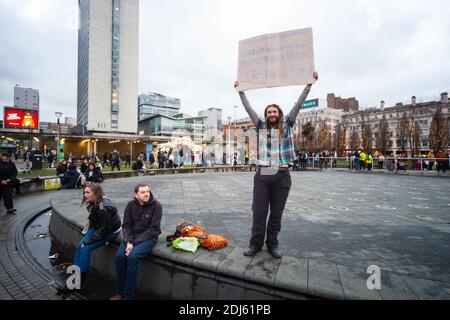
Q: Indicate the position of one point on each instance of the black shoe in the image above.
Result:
(11, 211)
(250, 252)
(62, 289)
(275, 253)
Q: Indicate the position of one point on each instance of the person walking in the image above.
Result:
(127, 159)
(381, 159)
(369, 162)
(272, 181)
(362, 160)
(115, 160)
(8, 174)
(50, 158)
(141, 228)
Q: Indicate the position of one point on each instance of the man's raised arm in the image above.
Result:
(253, 115)
(294, 112)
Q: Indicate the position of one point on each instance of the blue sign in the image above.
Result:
(148, 150)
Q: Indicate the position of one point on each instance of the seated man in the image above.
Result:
(141, 228)
(71, 178)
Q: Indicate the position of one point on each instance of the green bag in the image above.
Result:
(186, 243)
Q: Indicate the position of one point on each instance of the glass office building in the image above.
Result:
(152, 104)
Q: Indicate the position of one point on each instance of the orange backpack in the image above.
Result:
(193, 231)
(214, 242)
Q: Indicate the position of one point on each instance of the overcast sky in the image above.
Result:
(371, 50)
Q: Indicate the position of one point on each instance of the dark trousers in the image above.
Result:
(127, 268)
(83, 253)
(7, 193)
(115, 164)
(273, 191)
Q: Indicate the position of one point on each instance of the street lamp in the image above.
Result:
(30, 143)
(235, 122)
(58, 116)
(229, 141)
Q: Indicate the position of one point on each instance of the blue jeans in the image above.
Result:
(127, 268)
(83, 254)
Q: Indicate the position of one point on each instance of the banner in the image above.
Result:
(61, 155)
(276, 60)
(51, 184)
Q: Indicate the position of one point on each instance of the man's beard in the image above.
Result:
(273, 124)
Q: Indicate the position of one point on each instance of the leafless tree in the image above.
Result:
(324, 138)
(339, 139)
(382, 136)
(367, 138)
(308, 136)
(438, 136)
(415, 138)
(403, 128)
(354, 140)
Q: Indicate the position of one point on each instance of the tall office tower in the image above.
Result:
(108, 58)
(27, 98)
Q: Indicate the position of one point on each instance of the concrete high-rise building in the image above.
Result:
(26, 97)
(108, 52)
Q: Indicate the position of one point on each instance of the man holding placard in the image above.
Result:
(272, 181)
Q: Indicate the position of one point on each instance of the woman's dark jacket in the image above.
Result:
(104, 218)
(96, 177)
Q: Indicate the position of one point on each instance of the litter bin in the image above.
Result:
(37, 161)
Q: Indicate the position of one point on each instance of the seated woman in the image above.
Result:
(139, 166)
(104, 226)
(93, 174)
(61, 168)
(84, 166)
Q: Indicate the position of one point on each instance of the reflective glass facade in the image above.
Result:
(115, 64)
(83, 62)
(174, 127)
(157, 104)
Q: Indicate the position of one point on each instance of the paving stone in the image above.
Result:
(324, 280)
(262, 269)
(354, 282)
(292, 274)
(426, 289)
(210, 259)
(235, 264)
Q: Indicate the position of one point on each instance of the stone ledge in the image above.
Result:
(37, 184)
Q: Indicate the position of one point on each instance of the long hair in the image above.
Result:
(97, 190)
(279, 124)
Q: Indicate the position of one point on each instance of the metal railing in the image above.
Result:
(388, 163)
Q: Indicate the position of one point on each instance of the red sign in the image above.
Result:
(21, 118)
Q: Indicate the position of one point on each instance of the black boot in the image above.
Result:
(83, 280)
